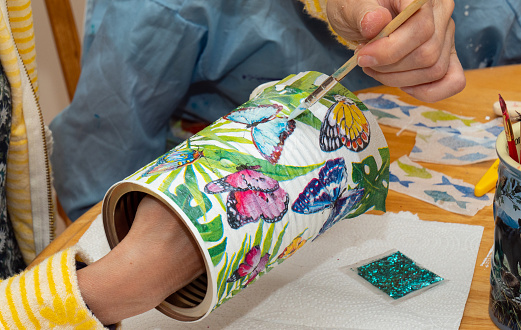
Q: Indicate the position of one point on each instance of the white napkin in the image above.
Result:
(312, 289)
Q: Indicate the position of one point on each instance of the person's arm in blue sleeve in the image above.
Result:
(132, 79)
(488, 33)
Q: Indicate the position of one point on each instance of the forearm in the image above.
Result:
(157, 257)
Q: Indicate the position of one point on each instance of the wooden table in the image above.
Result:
(476, 100)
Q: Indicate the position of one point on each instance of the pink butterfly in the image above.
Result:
(252, 196)
(253, 264)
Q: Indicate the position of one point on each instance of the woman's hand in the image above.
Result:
(419, 57)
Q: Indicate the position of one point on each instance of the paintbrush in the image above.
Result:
(512, 150)
(331, 81)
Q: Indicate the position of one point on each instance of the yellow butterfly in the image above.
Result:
(344, 125)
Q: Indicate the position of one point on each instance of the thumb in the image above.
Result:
(357, 20)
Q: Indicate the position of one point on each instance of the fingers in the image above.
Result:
(426, 64)
(415, 44)
(451, 84)
(357, 20)
(419, 56)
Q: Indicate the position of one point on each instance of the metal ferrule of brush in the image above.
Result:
(321, 90)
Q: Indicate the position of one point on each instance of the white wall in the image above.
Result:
(53, 93)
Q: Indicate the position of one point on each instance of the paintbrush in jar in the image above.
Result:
(512, 150)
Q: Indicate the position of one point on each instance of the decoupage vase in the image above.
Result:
(505, 294)
(254, 187)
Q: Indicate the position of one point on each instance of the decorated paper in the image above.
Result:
(254, 187)
(451, 194)
(442, 137)
(389, 110)
(460, 146)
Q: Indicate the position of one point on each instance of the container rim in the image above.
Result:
(112, 197)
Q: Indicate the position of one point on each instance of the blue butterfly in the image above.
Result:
(268, 131)
(329, 191)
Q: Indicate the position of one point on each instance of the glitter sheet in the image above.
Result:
(397, 275)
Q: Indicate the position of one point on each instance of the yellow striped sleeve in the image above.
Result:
(46, 296)
(21, 19)
(18, 194)
(317, 9)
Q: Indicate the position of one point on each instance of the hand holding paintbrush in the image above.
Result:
(339, 74)
(419, 57)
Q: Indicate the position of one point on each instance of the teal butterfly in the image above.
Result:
(268, 130)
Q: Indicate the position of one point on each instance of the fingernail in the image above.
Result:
(367, 61)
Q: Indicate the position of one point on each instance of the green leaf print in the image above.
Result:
(374, 181)
(308, 118)
(211, 231)
(275, 253)
(227, 160)
(227, 290)
(193, 187)
(258, 233)
(217, 252)
(268, 239)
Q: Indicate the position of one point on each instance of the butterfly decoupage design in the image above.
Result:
(344, 125)
(268, 130)
(252, 196)
(329, 191)
(253, 264)
(172, 160)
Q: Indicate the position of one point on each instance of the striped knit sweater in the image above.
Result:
(29, 197)
(46, 296)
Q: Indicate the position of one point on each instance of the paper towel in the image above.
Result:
(313, 290)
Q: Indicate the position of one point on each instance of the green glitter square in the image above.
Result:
(397, 275)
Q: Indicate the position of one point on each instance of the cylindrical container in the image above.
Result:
(505, 294)
(253, 187)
